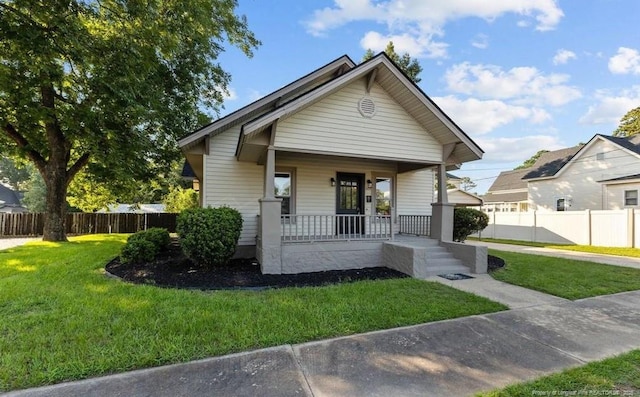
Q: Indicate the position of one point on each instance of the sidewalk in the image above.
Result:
(624, 261)
(448, 358)
(6, 243)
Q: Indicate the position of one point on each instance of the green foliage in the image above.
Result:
(410, 66)
(531, 160)
(35, 196)
(109, 85)
(209, 235)
(467, 221)
(145, 245)
(467, 184)
(179, 199)
(629, 124)
(13, 174)
(89, 195)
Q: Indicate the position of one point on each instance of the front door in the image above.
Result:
(350, 201)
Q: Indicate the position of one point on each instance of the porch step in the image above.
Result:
(421, 258)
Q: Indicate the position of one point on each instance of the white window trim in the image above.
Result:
(292, 191)
(637, 198)
(392, 191)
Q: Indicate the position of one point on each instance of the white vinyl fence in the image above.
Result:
(619, 228)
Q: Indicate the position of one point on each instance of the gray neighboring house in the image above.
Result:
(327, 170)
(10, 201)
(508, 193)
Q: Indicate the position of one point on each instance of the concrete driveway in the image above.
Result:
(6, 243)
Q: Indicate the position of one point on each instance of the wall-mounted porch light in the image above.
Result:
(369, 183)
(333, 181)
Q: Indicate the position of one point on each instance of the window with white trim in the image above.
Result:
(383, 196)
(630, 198)
(561, 205)
(283, 185)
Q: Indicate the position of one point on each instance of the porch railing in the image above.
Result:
(308, 228)
(419, 225)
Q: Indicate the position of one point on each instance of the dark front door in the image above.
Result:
(349, 203)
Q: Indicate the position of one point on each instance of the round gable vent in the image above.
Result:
(367, 107)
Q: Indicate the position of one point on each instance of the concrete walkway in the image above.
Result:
(584, 256)
(448, 358)
(6, 243)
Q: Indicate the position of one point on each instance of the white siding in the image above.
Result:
(314, 194)
(233, 183)
(335, 125)
(415, 192)
(615, 195)
(579, 183)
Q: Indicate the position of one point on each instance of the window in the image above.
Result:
(283, 191)
(600, 156)
(383, 196)
(560, 205)
(630, 197)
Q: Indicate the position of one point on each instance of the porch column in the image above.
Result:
(268, 249)
(442, 211)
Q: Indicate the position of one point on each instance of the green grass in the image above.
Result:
(618, 376)
(618, 251)
(567, 278)
(63, 319)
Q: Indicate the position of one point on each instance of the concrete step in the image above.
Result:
(438, 270)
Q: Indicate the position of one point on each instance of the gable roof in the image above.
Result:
(270, 101)
(549, 163)
(387, 74)
(8, 197)
(631, 143)
(509, 180)
(626, 178)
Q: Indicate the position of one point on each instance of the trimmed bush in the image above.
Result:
(144, 246)
(467, 221)
(209, 236)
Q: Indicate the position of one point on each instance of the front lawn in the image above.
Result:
(63, 319)
(566, 278)
(617, 251)
(618, 376)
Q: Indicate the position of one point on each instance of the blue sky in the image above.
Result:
(518, 75)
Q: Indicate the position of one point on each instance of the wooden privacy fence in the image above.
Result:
(28, 224)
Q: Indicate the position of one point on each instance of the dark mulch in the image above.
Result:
(494, 263)
(173, 270)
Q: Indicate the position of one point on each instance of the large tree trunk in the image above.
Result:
(56, 204)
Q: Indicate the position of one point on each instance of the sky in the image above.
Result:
(517, 76)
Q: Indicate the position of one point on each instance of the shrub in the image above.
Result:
(179, 199)
(145, 245)
(467, 221)
(209, 236)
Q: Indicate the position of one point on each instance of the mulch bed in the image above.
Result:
(494, 263)
(173, 270)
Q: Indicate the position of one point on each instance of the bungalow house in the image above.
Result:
(603, 174)
(328, 169)
(508, 193)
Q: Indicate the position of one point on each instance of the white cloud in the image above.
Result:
(478, 117)
(424, 20)
(516, 149)
(563, 56)
(480, 41)
(524, 85)
(627, 60)
(230, 95)
(611, 107)
(404, 43)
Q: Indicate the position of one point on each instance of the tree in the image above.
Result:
(108, 85)
(629, 124)
(14, 175)
(408, 65)
(531, 161)
(35, 196)
(467, 184)
(179, 199)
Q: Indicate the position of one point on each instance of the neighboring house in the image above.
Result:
(604, 174)
(10, 201)
(508, 193)
(324, 169)
(457, 195)
(134, 208)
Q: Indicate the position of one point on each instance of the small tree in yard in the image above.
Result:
(179, 199)
(209, 236)
(467, 221)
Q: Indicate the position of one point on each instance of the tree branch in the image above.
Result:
(22, 143)
(77, 166)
